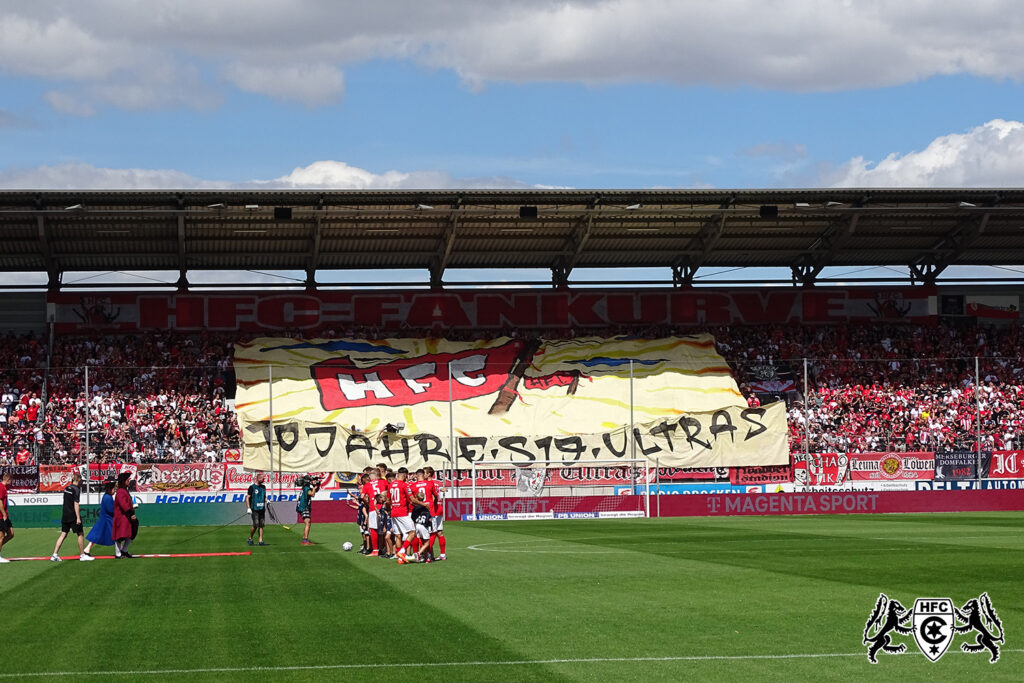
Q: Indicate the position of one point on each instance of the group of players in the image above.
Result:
(401, 518)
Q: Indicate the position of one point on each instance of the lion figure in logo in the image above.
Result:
(888, 616)
(979, 615)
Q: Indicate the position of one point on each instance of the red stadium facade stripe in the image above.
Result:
(481, 310)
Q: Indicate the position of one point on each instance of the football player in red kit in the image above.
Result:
(369, 493)
(401, 520)
(435, 502)
(421, 517)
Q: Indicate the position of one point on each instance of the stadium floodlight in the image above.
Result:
(967, 205)
(424, 207)
(252, 207)
(74, 207)
(801, 205)
(634, 207)
(219, 205)
(831, 205)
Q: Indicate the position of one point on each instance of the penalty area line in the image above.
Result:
(478, 663)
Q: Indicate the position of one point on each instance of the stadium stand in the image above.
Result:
(166, 397)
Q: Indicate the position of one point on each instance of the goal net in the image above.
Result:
(505, 490)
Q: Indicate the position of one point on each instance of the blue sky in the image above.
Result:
(401, 116)
(582, 94)
(579, 94)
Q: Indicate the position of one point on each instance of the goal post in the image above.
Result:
(599, 489)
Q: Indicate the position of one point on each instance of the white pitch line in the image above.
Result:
(409, 665)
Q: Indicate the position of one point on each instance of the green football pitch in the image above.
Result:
(742, 598)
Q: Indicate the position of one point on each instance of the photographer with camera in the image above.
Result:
(310, 486)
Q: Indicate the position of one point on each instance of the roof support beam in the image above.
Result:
(682, 275)
(928, 266)
(314, 251)
(823, 250)
(444, 252)
(699, 248)
(52, 269)
(573, 248)
(182, 262)
(925, 272)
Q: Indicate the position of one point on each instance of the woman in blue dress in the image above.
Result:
(102, 532)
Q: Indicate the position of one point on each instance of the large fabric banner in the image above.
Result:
(724, 438)
(183, 477)
(345, 404)
(892, 466)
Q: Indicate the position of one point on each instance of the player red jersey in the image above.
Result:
(433, 497)
(3, 497)
(418, 489)
(367, 490)
(399, 493)
(371, 489)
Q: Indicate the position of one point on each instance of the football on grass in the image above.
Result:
(346, 546)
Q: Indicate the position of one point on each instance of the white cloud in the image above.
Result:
(334, 175)
(79, 176)
(66, 103)
(311, 84)
(297, 50)
(339, 174)
(991, 155)
(61, 48)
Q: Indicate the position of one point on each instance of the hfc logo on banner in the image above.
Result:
(934, 622)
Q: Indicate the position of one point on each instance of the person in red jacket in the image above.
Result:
(124, 514)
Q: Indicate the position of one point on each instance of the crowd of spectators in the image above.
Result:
(891, 387)
(157, 397)
(165, 397)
